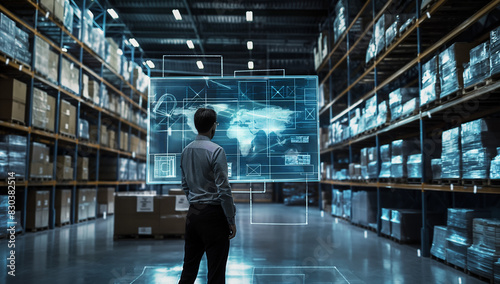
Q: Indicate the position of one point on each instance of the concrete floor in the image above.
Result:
(325, 250)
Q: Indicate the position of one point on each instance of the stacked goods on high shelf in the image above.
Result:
(451, 163)
(364, 207)
(90, 89)
(13, 99)
(44, 110)
(479, 141)
(55, 7)
(369, 163)
(37, 215)
(451, 68)
(140, 214)
(64, 168)
(12, 156)
(439, 242)
(106, 200)
(385, 158)
(401, 22)
(336, 203)
(83, 129)
(70, 76)
(69, 14)
(377, 42)
(460, 233)
(63, 206)
(6, 217)
(478, 69)
(82, 168)
(47, 61)
(431, 87)
(67, 119)
(340, 22)
(140, 81)
(495, 51)
(403, 102)
(485, 249)
(321, 50)
(40, 165)
(495, 166)
(400, 150)
(436, 168)
(15, 41)
(86, 204)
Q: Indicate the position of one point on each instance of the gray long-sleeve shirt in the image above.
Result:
(204, 175)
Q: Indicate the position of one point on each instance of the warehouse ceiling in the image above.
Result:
(283, 33)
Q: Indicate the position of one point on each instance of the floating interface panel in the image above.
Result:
(268, 126)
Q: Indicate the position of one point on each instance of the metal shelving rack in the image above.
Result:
(428, 34)
(28, 14)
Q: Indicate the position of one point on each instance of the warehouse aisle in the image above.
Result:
(323, 251)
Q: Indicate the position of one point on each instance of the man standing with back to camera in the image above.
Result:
(210, 220)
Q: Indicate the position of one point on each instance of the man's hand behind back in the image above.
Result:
(232, 231)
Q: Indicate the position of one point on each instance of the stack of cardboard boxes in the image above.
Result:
(63, 206)
(13, 100)
(15, 41)
(44, 110)
(67, 123)
(38, 215)
(64, 168)
(55, 7)
(40, 165)
(70, 76)
(82, 168)
(134, 143)
(124, 141)
(106, 200)
(150, 215)
(86, 204)
(112, 56)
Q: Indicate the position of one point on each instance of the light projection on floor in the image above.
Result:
(268, 126)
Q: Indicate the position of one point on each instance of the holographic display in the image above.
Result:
(268, 126)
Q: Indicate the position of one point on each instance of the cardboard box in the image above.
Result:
(67, 118)
(112, 139)
(50, 113)
(173, 205)
(85, 87)
(39, 115)
(82, 168)
(53, 74)
(128, 221)
(92, 202)
(63, 206)
(13, 89)
(47, 5)
(41, 63)
(64, 161)
(104, 135)
(124, 141)
(37, 209)
(94, 91)
(12, 110)
(59, 10)
(172, 225)
(81, 205)
(106, 196)
(134, 143)
(64, 173)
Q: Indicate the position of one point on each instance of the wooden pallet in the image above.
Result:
(398, 180)
(474, 87)
(448, 181)
(15, 121)
(414, 180)
(70, 136)
(43, 129)
(481, 277)
(430, 105)
(436, 181)
(82, 220)
(438, 259)
(40, 179)
(63, 224)
(451, 96)
(384, 180)
(456, 267)
(472, 182)
(494, 182)
(37, 229)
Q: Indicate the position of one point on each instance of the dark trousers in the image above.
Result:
(207, 231)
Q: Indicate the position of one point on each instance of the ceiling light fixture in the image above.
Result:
(200, 64)
(133, 42)
(250, 65)
(249, 16)
(177, 14)
(113, 14)
(190, 44)
(150, 64)
(250, 45)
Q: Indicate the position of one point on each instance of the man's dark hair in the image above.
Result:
(204, 119)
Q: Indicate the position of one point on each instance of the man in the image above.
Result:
(210, 221)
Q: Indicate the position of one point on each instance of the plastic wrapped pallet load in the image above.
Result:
(479, 65)
(451, 67)
(495, 166)
(337, 203)
(385, 157)
(485, 250)
(439, 243)
(340, 22)
(364, 207)
(12, 155)
(460, 233)
(414, 166)
(495, 51)
(451, 162)
(406, 224)
(436, 169)
(386, 221)
(479, 141)
(346, 201)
